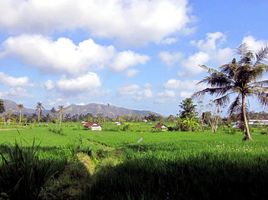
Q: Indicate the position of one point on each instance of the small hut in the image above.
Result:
(161, 126)
(92, 125)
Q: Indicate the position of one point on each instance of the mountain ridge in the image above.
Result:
(106, 110)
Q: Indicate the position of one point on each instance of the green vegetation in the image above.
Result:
(132, 161)
(243, 78)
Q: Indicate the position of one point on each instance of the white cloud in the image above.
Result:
(192, 63)
(186, 94)
(126, 59)
(58, 101)
(136, 92)
(14, 81)
(184, 88)
(208, 51)
(170, 58)
(133, 21)
(254, 44)
(211, 42)
(222, 56)
(169, 41)
(180, 84)
(132, 72)
(49, 85)
(128, 90)
(166, 94)
(61, 55)
(15, 92)
(80, 84)
(211, 46)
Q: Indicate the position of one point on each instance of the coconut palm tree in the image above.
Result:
(60, 110)
(39, 109)
(20, 107)
(243, 79)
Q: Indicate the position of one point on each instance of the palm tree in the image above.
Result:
(242, 78)
(61, 109)
(187, 108)
(20, 107)
(39, 109)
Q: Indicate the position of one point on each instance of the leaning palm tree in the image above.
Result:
(61, 110)
(20, 107)
(243, 79)
(39, 109)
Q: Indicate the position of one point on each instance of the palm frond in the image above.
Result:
(209, 69)
(263, 98)
(223, 100)
(235, 106)
(212, 91)
(229, 69)
(261, 55)
(258, 71)
(217, 80)
(262, 83)
(242, 50)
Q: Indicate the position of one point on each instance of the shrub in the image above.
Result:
(126, 127)
(264, 132)
(188, 124)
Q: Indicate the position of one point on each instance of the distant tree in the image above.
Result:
(206, 116)
(89, 117)
(20, 107)
(243, 78)
(151, 117)
(2, 109)
(171, 118)
(215, 116)
(100, 118)
(187, 109)
(60, 111)
(53, 110)
(39, 109)
(2, 106)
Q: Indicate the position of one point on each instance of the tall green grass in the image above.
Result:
(22, 173)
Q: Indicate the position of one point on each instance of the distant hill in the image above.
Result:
(11, 107)
(93, 108)
(106, 110)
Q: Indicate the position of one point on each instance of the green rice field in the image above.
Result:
(138, 162)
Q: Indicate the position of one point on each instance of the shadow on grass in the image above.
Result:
(203, 177)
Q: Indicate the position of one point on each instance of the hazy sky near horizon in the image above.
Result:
(140, 54)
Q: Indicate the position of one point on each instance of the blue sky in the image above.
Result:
(133, 53)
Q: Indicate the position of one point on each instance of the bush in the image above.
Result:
(264, 132)
(189, 124)
(126, 127)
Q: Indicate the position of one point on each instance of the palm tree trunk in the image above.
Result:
(39, 117)
(244, 113)
(60, 118)
(20, 116)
